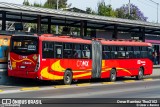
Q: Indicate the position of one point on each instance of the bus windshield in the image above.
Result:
(24, 45)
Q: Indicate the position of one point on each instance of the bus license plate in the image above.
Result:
(22, 67)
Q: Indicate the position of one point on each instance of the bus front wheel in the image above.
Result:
(67, 79)
(140, 74)
(113, 75)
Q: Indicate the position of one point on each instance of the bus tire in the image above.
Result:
(67, 79)
(140, 74)
(113, 75)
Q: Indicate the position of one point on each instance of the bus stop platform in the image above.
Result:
(156, 66)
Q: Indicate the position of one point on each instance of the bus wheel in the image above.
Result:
(113, 75)
(140, 74)
(67, 79)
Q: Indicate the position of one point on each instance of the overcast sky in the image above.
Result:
(146, 6)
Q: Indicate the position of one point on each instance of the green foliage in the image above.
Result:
(37, 4)
(26, 3)
(122, 12)
(90, 11)
(53, 4)
(105, 10)
(48, 4)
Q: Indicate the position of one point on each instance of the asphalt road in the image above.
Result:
(94, 94)
(101, 94)
(125, 89)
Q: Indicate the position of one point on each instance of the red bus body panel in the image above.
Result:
(53, 69)
(126, 67)
(23, 66)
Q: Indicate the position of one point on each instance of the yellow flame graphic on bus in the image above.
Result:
(22, 60)
(57, 67)
(46, 74)
(125, 70)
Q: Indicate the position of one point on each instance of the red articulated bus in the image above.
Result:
(49, 57)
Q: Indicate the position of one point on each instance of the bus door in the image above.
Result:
(96, 59)
(58, 54)
(58, 49)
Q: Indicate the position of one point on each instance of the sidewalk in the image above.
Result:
(156, 66)
(156, 72)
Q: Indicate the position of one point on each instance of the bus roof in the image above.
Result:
(125, 43)
(67, 39)
(81, 40)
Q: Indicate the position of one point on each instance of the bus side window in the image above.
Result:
(121, 52)
(144, 52)
(77, 51)
(106, 54)
(129, 52)
(150, 53)
(58, 50)
(67, 50)
(47, 49)
(136, 50)
(114, 53)
(86, 51)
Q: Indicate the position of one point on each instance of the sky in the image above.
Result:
(146, 6)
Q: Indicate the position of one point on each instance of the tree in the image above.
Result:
(105, 10)
(53, 4)
(135, 13)
(26, 3)
(48, 4)
(90, 11)
(37, 5)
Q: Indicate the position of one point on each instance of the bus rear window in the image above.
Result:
(24, 45)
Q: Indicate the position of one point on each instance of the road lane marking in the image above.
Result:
(18, 90)
(148, 79)
(62, 86)
(108, 82)
(84, 84)
(129, 81)
(30, 89)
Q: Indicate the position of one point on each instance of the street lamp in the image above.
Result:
(57, 25)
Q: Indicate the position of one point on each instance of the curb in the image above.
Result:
(25, 89)
(30, 89)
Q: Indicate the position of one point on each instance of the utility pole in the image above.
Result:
(57, 9)
(129, 8)
(157, 8)
(157, 11)
(110, 2)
